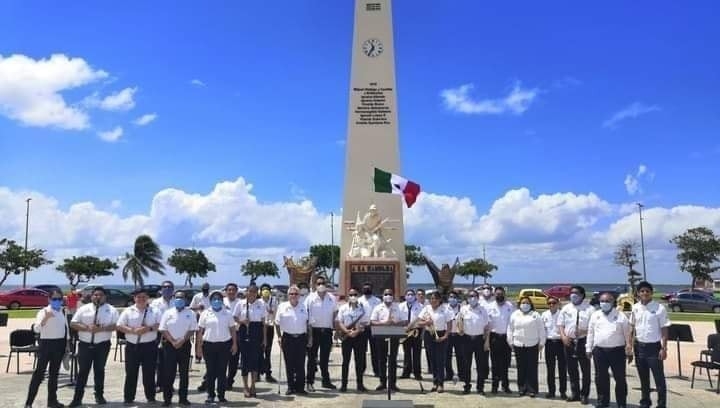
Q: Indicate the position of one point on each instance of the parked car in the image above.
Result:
(189, 293)
(668, 295)
(561, 292)
(115, 297)
(537, 297)
(694, 302)
(48, 288)
(28, 297)
(153, 290)
(624, 301)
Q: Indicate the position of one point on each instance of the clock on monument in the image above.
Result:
(372, 47)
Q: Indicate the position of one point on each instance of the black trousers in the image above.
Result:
(216, 357)
(137, 355)
(160, 366)
(177, 362)
(252, 350)
(455, 344)
(322, 341)
(265, 365)
(647, 359)
(373, 351)
(576, 356)
(438, 355)
(474, 346)
(500, 354)
(388, 379)
(613, 359)
(427, 340)
(91, 356)
(526, 359)
(234, 360)
(411, 362)
(355, 346)
(555, 356)
(293, 349)
(50, 352)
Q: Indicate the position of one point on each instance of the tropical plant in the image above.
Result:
(256, 268)
(626, 255)
(191, 263)
(85, 269)
(477, 267)
(146, 257)
(413, 257)
(15, 260)
(699, 252)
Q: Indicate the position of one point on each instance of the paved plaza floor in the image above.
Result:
(13, 387)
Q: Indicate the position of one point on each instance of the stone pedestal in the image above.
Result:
(382, 273)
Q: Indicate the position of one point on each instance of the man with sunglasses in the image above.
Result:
(291, 329)
(650, 324)
(554, 351)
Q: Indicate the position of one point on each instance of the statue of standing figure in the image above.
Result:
(368, 238)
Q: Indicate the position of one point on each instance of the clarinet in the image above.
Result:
(95, 322)
(142, 323)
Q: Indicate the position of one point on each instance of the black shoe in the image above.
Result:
(166, 403)
(584, 400)
(380, 387)
(269, 378)
(532, 395)
(404, 376)
(466, 389)
(310, 387)
(507, 390)
(328, 385)
(301, 392)
(361, 388)
(55, 405)
(418, 377)
(394, 388)
(563, 396)
(550, 395)
(100, 400)
(184, 402)
(151, 401)
(203, 387)
(343, 388)
(573, 398)
(601, 405)
(222, 399)
(289, 392)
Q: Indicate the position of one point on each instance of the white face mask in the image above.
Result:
(486, 292)
(387, 298)
(303, 291)
(321, 288)
(352, 298)
(525, 307)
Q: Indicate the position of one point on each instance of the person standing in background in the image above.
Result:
(177, 327)
(573, 324)
(410, 309)
(230, 302)
(476, 330)
(291, 322)
(322, 310)
(554, 350)
(161, 305)
(369, 302)
(272, 303)
(499, 312)
(526, 335)
(455, 341)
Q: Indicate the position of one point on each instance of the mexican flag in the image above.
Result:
(391, 183)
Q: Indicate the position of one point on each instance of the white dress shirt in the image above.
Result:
(369, 303)
(178, 323)
(383, 312)
(551, 324)
(454, 312)
(272, 305)
(322, 310)
(132, 317)
(475, 319)
(648, 321)
(292, 320)
(526, 329)
(216, 325)
(607, 330)
(415, 309)
(257, 310)
(499, 316)
(486, 302)
(440, 316)
(200, 300)
(230, 304)
(573, 317)
(106, 316)
(55, 328)
(347, 315)
(161, 305)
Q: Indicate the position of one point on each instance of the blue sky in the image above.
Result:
(259, 91)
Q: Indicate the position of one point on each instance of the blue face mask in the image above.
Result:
(575, 298)
(167, 292)
(179, 303)
(453, 301)
(410, 298)
(473, 301)
(56, 304)
(216, 304)
(606, 306)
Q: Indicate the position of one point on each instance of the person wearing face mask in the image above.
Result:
(201, 300)
(51, 324)
(411, 309)
(476, 333)
(161, 305)
(303, 290)
(425, 338)
(322, 308)
(95, 324)
(370, 302)
(526, 335)
(177, 326)
(216, 341)
(609, 343)
(554, 350)
(499, 312)
(455, 341)
(573, 325)
(437, 315)
(271, 303)
(250, 314)
(351, 322)
(486, 295)
(387, 313)
(230, 302)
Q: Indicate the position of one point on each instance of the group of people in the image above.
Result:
(231, 333)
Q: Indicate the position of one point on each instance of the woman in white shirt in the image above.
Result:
(526, 335)
(216, 341)
(251, 314)
(438, 318)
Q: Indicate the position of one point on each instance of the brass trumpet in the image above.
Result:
(433, 330)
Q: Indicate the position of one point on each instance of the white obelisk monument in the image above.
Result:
(372, 141)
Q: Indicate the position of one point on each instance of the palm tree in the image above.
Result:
(146, 257)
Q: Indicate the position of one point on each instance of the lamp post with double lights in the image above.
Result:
(642, 240)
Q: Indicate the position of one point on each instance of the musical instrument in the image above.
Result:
(95, 323)
(342, 336)
(433, 331)
(413, 330)
(460, 323)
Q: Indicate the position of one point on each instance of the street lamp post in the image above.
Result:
(27, 224)
(332, 245)
(642, 241)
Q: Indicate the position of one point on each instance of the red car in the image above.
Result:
(559, 291)
(17, 298)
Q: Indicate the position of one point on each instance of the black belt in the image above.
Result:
(474, 336)
(554, 340)
(440, 333)
(454, 334)
(294, 335)
(499, 334)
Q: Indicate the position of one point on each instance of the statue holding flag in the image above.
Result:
(368, 240)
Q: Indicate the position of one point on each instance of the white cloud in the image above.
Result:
(119, 101)
(632, 111)
(31, 90)
(197, 82)
(111, 135)
(516, 102)
(633, 182)
(145, 119)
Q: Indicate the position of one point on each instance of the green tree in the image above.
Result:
(146, 258)
(626, 255)
(85, 269)
(477, 267)
(413, 257)
(14, 259)
(191, 263)
(328, 257)
(698, 253)
(256, 268)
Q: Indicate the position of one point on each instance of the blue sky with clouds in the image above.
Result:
(531, 127)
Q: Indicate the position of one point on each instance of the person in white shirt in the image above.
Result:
(215, 341)
(476, 333)
(230, 301)
(51, 324)
(650, 324)
(322, 308)
(554, 349)
(411, 309)
(351, 322)
(291, 322)
(437, 320)
(424, 337)
(95, 324)
(387, 313)
(250, 314)
(499, 312)
(526, 335)
(609, 343)
(272, 303)
(139, 323)
(455, 341)
(201, 300)
(162, 304)
(177, 326)
(573, 325)
(369, 302)
(486, 295)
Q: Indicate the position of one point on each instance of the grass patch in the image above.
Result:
(21, 313)
(693, 317)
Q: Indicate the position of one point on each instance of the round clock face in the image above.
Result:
(372, 47)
